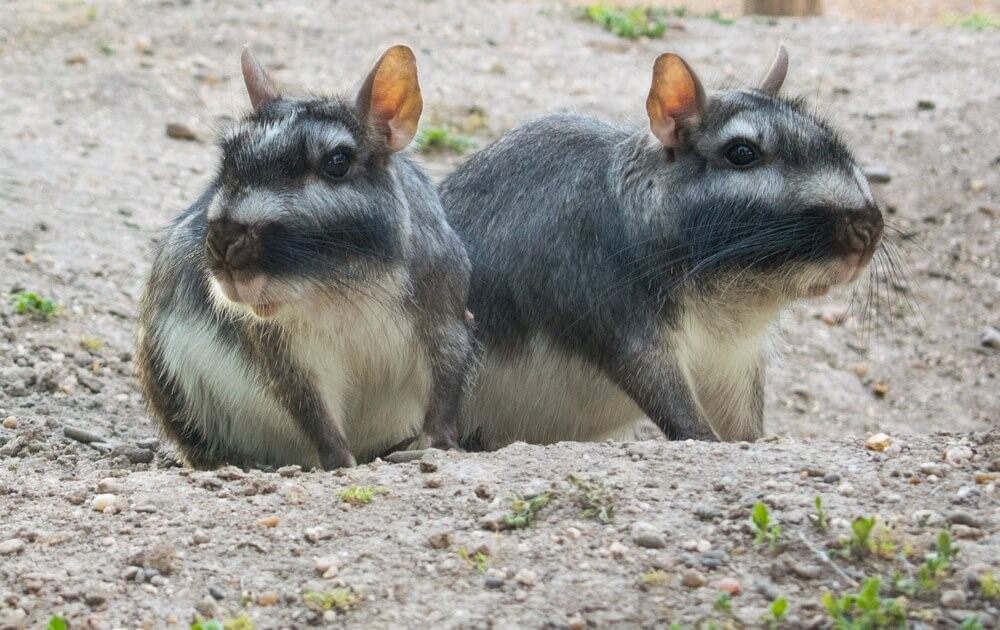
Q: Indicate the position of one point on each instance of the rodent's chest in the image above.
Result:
(370, 369)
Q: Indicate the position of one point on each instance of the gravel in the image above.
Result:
(168, 539)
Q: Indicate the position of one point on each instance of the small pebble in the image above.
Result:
(206, 607)
(526, 577)
(492, 581)
(964, 532)
(957, 455)
(618, 549)
(440, 541)
(290, 471)
(831, 478)
(109, 485)
(962, 517)
(953, 599)
(693, 579)
(12, 546)
(990, 338)
(179, 131)
(730, 585)
(806, 571)
(645, 535)
(10, 422)
(877, 173)
(878, 442)
(932, 468)
(268, 598)
(200, 537)
(104, 502)
(327, 566)
(269, 521)
(846, 489)
(927, 518)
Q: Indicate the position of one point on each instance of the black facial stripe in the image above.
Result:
(303, 247)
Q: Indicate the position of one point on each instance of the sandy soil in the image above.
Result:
(89, 176)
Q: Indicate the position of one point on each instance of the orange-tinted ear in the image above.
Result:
(390, 97)
(676, 99)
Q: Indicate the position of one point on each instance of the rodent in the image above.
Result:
(309, 307)
(622, 273)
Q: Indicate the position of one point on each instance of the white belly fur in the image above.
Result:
(371, 371)
(546, 395)
(365, 361)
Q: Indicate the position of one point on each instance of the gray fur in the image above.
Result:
(370, 284)
(644, 280)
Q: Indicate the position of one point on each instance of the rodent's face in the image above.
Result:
(305, 203)
(773, 194)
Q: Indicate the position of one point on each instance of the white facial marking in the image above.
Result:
(737, 128)
(832, 189)
(864, 186)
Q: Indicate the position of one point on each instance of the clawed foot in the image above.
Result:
(341, 459)
(443, 442)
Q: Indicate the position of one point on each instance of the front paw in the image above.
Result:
(443, 442)
(333, 461)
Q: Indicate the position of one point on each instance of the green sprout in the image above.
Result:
(359, 495)
(628, 23)
(524, 510)
(766, 530)
(443, 140)
(30, 303)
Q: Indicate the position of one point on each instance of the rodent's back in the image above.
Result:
(539, 220)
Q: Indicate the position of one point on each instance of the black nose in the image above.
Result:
(231, 244)
(862, 230)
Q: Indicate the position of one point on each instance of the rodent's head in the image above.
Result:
(306, 200)
(766, 189)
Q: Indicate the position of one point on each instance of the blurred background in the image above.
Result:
(110, 108)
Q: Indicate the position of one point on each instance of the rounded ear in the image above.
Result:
(259, 85)
(775, 76)
(390, 97)
(676, 99)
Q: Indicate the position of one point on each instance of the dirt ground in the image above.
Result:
(88, 177)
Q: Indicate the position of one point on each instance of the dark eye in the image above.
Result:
(337, 164)
(741, 154)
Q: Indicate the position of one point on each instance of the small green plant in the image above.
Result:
(593, 498)
(654, 577)
(339, 599)
(30, 303)
(716, 16)
(523, 510)
(971, 623)
(478, 561)
(977, 21)
(767, 531)
(989, 588)
(442, 139)
(57, 623)
(937, 564)
(859, 544)
(106, 48)
(776, 612)
(359, 495)
(91, 344)
(865, 610)
(724, 603)
(242, 622)
(883, 542)
(820, 519)
(629, 23)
